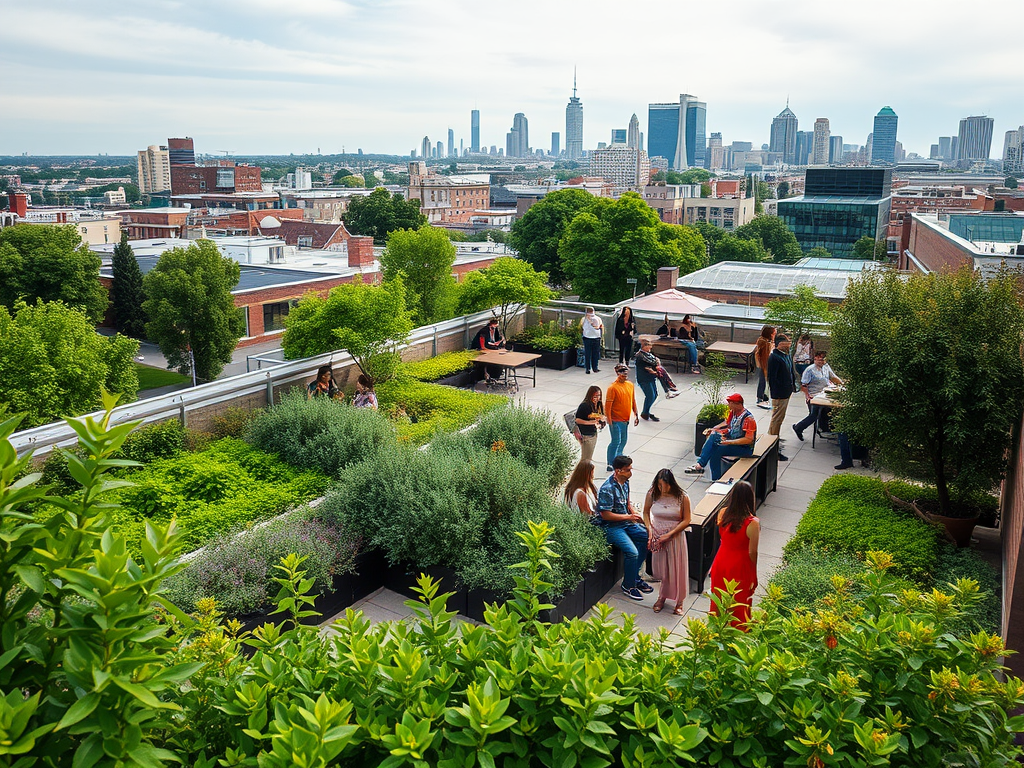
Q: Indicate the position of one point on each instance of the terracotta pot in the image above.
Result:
(960, 528)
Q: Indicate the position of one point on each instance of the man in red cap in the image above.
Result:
(733, 437)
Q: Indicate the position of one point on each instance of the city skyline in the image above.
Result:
(241, 78)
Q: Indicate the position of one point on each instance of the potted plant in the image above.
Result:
(711, 385)
(555, 344)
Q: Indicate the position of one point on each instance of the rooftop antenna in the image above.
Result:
(574, 81)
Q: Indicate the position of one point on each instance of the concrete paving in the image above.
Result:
(669, 443)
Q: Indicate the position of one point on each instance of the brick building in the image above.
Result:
(938, 201)
(981, 240)
(444, 198)
(152, 223)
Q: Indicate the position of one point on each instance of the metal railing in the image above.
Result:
(177, 405)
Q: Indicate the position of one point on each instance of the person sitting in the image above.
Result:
(663, 330)
(733, 437)
(323, 385)
(652, 363)
(490, 338)
(689, 330)
(623, 527)
(365, 397)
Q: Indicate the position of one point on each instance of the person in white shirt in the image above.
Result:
(816, 377)
(592, 330)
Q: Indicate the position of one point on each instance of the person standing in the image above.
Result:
(762, 352)
(592, 329)
(625, 331)
(736, 560)
(589, 419)
(733, 437)
(813, 383)
(803, 356)
(647, 378)
(780, 384)
(667, 516)
(619, 401)
(622, 529)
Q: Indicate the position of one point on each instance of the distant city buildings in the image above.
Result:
(820, 150)
(574, 125)
(676, 131)
(555, 144)
(445, 199)
(783, 136)
(618, 136)
(627, 168)
(633, 133)
(1013, 151)
(425, 148)
(682, 203)
(154, 167)
(835, 149)
(451, 143)
(975, 138)
(517, 140)
(225, 177)
(883, 143)
(474, 131)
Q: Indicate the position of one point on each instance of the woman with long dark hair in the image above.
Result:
(589, 419)
(580, 491)
(625, 331)
(762, 352)
(736, 560)
(667, 516)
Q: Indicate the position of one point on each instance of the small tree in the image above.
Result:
(368, 321)
(935, 380)
(774, 236)
(536, 234)
(714, 376)
(508, 284)
(797, 313)
(126, 293)
(818, 252)
(423, 258)
(192, 315)
(380, 213)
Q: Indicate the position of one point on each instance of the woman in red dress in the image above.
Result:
(736, 559)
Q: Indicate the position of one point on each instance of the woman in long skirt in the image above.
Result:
(667, 516)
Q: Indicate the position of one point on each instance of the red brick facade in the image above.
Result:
(197, 180)
(149, 225)
(936, 251)
(360, 251)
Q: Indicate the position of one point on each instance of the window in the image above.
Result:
(244, 312)
(274, 314)
(305, 241)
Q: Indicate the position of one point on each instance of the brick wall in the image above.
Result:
(1012, 529)
(256, 299)
(933, 249)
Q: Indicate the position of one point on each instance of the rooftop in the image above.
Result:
(827, 276)
(833, 200)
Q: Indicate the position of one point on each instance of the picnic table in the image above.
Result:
(667, 348)
(743, 351)
(509, 362)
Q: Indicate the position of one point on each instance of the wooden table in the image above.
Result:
(822, 400)
(666, 348)
(744, 351)
(509, 361)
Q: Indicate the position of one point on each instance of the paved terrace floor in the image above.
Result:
(669, 443)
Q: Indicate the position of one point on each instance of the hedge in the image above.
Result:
(420, 410)
(440, 366)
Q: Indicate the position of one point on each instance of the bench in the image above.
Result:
(761, 470)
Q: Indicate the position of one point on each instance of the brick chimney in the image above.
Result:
(667, 277)
(18, 203)
(360, 251)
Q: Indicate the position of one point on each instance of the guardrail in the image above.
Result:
(41, 440)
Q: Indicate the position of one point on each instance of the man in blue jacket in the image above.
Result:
(780, 384)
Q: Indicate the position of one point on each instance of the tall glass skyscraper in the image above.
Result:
(474, 131)
(975, 138)
(574, 125)
(676, 131)
(883, 141)
(783, 137)
(696, 137)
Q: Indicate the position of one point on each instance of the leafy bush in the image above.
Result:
(228, 486)
(713, 412)
(550, 336)
(440, 366)
(851, 514)
(432, 407)
(232, 423)
(954, 564)
(319, 434)
(976, 502)
(533, 436)
(163, 440)
(237, 569)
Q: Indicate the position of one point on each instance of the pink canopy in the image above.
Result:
(672, 302)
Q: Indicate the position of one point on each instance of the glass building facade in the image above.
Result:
(835, 223)
(663, 131)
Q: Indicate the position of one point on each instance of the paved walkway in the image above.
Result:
(669, 443)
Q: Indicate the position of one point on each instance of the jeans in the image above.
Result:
(625, 348)
(591, 353)
(809, 419)
(617, 431)
(631, 539)
(848, 449)
(761, 384)
(692, 348)
(650, 390)
(714, 451)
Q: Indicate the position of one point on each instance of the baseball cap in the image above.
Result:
(735, 397)
(620, 368)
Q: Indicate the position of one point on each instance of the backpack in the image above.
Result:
(573, 427)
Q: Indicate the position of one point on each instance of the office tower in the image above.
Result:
(954, 147)
(628, 168)
(474, 131)
(883, 146)
(181, 152)
(555, 143)
(901, 154)
(944, 148)
(439, 150)
(675, 131)
(835, 149)
(633, 134)
(574, 125)
(462, 149)
(819, 151)
(1013, 151)
(933, 153)
(696, 138)
(517, 140)
(975, 139)
(425, 148)
(618, 135)
(804, 145)
(783, 137)
(154, 166)
(451, 143)
(716, 152)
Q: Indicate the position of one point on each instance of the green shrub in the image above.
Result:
(237, 569)
(550, 336)
(713, 412)
(432, 407)
(851, 514)
(985, 505)
(440, 366)
(954, 563)
(232, 423)
(533, 436)
(319, 434)
(228, 486)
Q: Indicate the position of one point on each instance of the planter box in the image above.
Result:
(698, 435)
(559, 361)
(402, 579)
(462, 380)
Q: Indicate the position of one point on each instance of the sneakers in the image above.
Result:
(673, 393)
(696, 469)
(633, 593)
(783, 458)
(843, 466)
(644, 587)
(799, 432)
(695, 369)
(765, 404)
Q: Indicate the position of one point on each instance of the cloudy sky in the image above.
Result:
(273, 76)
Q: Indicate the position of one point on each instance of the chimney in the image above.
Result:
(62, 217)
(360, 251)
(18, 204)
(667, 277)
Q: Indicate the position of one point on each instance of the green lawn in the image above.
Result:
(150, 377)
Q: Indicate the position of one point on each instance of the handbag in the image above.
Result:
(573, 427)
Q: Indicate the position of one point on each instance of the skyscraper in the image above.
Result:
(633, 133)
(1013, 151)
(783, 138)
(574, 125)
(945, 148)
(696, 136)
(451, 143)
(835, 149)
(883, 144)
(474, 131)
(618, 135)
(676, 131)
(819, 154)
(154, 168)
(517, 141)
(975, 138)
(439, 150)
(804, 146)
(425, 148)
(555, 143)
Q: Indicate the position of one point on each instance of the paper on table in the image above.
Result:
(719, 488)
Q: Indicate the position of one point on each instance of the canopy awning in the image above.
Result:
(672, 302)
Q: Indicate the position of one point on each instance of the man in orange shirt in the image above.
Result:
(618, 401)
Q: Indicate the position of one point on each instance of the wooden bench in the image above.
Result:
(761, 470)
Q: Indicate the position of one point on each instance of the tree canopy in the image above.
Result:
(53, 364)
(733, 248)
(126, 291)
(52, 264)
(613, 241)
(368, 321)
(508, 284)
(381, 213)
(536, 235)
(774, 236)
(819, 252)
(935, 381)
(868, 248)
(692, 176)
(189, 304)
(423, 258)
(797, 312)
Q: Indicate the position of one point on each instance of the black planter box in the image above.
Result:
(402, 579)
(462, 380)
(698, 434)
(559, 361)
